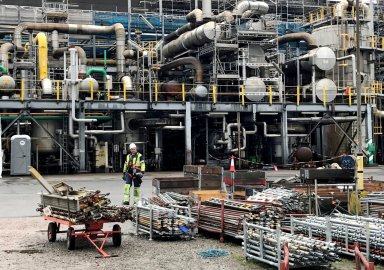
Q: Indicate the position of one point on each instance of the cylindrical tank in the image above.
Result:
(7, 83)
(254, 89)
(326, 88)
(199, 91)
(46, 86)
(171, 88)
(41, 140)
(303, 154)
(85, 85)
(323, 58)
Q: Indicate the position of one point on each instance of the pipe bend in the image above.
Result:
(258, 7)
(296, 37)
(122, 130)
(4, 50)
(185, 61)
(225, 16)
(195, 15)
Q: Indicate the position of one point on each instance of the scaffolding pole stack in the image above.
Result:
(270, 246)
(161, 222)
(344, 231)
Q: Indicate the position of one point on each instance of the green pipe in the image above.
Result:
(50, 118)
(96, 70)
(3, 69)
(105, 58)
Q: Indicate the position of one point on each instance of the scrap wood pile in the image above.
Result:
(227, 216)
(81, 206)
(161, 221)
(290, 201)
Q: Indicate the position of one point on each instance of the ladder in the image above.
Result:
(64, 142)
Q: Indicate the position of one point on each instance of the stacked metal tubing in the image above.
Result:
(344, 231)
(267, 245)
(373, 205)
(291, 201)
(226, 217)
(173, 200)
(162, 222)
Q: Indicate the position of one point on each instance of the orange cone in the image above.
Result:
(232, 167)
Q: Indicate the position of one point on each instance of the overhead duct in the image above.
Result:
(4, 50)
(117, 29)
(186, 61)
(192, 39)
(257, 7)
(297, 37)
(225, 16)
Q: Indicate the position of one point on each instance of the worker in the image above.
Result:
(134, 168)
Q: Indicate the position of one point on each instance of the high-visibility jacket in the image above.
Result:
(134, 162)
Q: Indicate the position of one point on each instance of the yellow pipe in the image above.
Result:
(298, 95)
(91, 87)
(214, 93)
(270, 95)
(183, 92)
(41, 40)
(156, 91)
(349, 96)
(125, 91)
(324, 96)
(242, 95)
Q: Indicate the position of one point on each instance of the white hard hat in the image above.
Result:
(132, 145)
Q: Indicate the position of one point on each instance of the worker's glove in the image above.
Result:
(139, 174)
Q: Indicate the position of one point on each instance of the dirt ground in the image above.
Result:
(24, 245)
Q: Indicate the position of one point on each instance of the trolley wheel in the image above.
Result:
(116, 237)
(71, 239)
(52, 231)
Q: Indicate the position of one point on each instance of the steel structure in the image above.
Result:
(260, 80)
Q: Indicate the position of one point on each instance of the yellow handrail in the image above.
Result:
(324, 96)
(242, 95)
(125, 91)
(270, 95)
(108, 92)
(183, 92)
(57, 90)
(214, 94)
(298, 95)
(91, 86)
(349, 96)
(156, 91)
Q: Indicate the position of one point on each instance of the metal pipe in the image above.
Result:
(225, 16)
(342, 6)
(258, 7)
(186, 61)
(195, 16)
(265, 131)
(117, 29)
(296, 37)
(317, 119)
(59, 52)
(41, 40)
(353, 59)
(118, 131)
(4, 50)
(192, 39)
(207, 9)
(73, 135)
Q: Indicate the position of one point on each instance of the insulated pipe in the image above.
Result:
(96, 70)
(266, 133)
(178, 32)
(41, 40)
(195, 15)
(118, 131)
(244, 142)
(186, 61)
(225, 16)
(130, 54)
(76, 136)
(258, 7)
(59, 52)
(353, 59)
(296, 37)
(207, 9)
(117, 29)
(3, 70)
(378, 113)
(192, 39)
(317, 119)
(342, 6)
(4, 50)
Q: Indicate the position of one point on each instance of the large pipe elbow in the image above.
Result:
(225, 16)
(195, 16)
(59, 52)
(5, 49)
(296, 37)
(41, 40)
(257, 7)
(340, 8)
(186, 61)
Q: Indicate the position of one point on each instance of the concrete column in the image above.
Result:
(188, 134)
(82, 155)
(284, 135)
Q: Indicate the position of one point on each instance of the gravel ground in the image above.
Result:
(24, 245)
